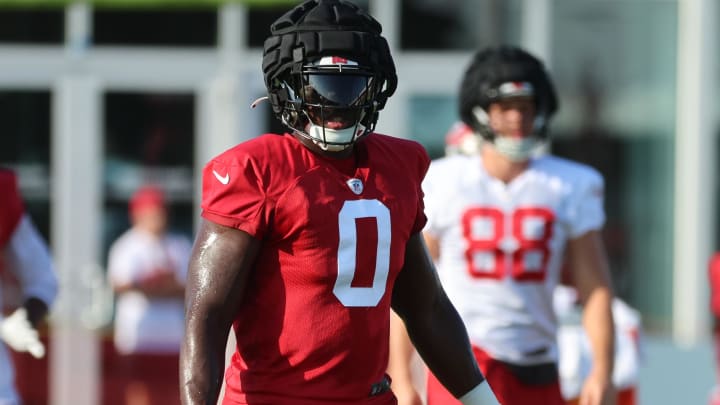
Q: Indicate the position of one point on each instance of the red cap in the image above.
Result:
(147, 197)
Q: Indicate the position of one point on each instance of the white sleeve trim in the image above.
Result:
(480, 395)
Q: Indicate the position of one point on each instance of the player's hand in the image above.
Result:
(598, 391)
(19, 334)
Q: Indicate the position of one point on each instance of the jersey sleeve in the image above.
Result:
(11, 206)
(420, 217)
(714, 279)
(234, 195)
(586, 207)
(29, 260)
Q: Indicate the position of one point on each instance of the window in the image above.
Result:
(149, 138)
(431, 118)
(25, 148)
(260, 17)
(32, 25)
(617, 113)
(168, 27)
(456, 24)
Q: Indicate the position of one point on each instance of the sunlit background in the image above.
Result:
(98, 97)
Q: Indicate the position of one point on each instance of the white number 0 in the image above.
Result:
(347, 250)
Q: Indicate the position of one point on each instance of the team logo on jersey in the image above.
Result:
(355, 185)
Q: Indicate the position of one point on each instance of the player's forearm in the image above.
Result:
(441, 340)
(599, 326)
(202, 360)
(401, 353)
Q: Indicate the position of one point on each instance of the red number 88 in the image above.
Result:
(491, 242)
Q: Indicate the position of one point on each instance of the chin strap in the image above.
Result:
(258, 101)
(333, 140)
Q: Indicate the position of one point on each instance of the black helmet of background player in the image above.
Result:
(328, 72)
(500, 73)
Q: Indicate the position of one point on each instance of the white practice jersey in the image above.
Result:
(502, 246)
(142, 324)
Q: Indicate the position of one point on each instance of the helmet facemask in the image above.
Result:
(517, 149)
(331, 102)
(496, 74)
(328, 72)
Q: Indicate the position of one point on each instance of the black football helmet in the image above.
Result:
(499, 73)
(328, 72)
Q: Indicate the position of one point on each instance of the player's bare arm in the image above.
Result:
(432, 322)
(433, 246)
(400, 363)
(591, 276)
(401, 348)
(221, 261)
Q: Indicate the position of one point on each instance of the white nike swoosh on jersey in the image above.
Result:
(222, 179)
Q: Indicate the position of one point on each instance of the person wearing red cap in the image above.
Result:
(147, 268)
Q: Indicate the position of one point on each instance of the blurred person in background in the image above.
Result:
(574, 351)
(25, 255)
(147, 266)
(309, 237)
(501, 222)
(460, 139)
(575, 354)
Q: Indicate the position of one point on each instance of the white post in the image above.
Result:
(78, 28)
(76, 206)
(217, 98)
(537, 29)
(387, 12)
(694, 167)
(392, 119)
(537, 36)
(75, 213)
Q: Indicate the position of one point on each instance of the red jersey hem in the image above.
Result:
(241, 399)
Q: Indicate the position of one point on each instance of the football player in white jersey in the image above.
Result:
(501, 223)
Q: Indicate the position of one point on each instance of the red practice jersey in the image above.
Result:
(11, 206)
(714, 278)
(313, 326)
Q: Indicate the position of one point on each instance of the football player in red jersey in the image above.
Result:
(25, 255)
(309, 238)
(714, 280)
